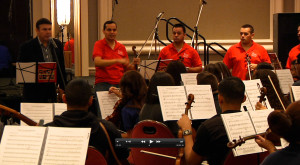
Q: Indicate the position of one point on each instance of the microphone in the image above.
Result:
(53, 42)
(159, 15)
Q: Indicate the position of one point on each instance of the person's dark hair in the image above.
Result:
(158, 79)
(249, 26)
(133, 88)
(175, 68)
(206, 78)
(263, 74)
(42, 21)
(264, 65)
(108, 22)
(232, 89)
(213, 69)
(286, 124)
(78, 92)
(224, 70)
(179, 25)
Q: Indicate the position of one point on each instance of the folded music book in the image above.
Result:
(242, 124)
(27, 72)
(296, 92)
(45, 111)
(252, 95)
(285, 79)
(44, 145)
(173, 98)
(106, 102)
(189, 78)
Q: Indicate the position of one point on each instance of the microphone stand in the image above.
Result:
(195, 35)
(57, 62)
(155, 31)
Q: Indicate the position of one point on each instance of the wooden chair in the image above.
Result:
(274, 61)
(152, 129)
(94, 157)
(251, 159)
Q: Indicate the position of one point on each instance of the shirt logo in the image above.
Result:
(120, 53)
(185, 55)
(253, 54)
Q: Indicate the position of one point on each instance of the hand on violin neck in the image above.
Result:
(184, 122)
(259, 106)
(264, 143)
(253, 66)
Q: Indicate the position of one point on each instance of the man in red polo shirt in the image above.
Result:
(179, 50)
(295, 51)
(235, 58)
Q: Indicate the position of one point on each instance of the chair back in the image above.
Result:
(94, 157)
(275, 61)
(152, 129)
(251, 159)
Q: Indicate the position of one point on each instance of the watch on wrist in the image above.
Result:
(187, 132)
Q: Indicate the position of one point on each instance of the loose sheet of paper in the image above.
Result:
(107, 102)
(285, 80)
(59, 108)
(189, 78)
(252, 94)
(21, 145)
(296, 92)
(204, 105)
(172, 101)
(66, 146)
(239, 125)
(37, 111)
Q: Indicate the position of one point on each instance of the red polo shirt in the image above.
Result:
(189, 55)
(294, 52)
(111, 74)
(235, 58)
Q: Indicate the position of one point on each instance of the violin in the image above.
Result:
(263, 93)
(8, 111)
(181, 150)
(268, 135)
(248, 60)
(116, 117)
(136, 56)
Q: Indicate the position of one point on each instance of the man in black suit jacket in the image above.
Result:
(43, 49)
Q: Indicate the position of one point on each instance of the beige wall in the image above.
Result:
(219, 19)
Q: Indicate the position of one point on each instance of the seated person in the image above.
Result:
(175, 68)
(211, 139)
(224, 70)
(215, 70)
(78, 97)
(287, 125)
(133, 93)
(151, 110)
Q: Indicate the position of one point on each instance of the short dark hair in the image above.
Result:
(213, 68)
(249, 26)
(264, 65)
(175, 68)
(42, 21)
(78, 92)
(108, 22)
(232, 89)
(158, 79)
(179, 25)
(206, 78)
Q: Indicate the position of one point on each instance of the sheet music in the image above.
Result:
(252, 94)
(59, 108)
(296, 92)
(107, 102)
(285, 80)
(172, 101)
(189, 78)
(204, 105)
(25, 72)
(66, 146)
(260, 119)
(21, 145)
(37, 111)
(239, 125)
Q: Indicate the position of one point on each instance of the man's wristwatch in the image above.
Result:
(187, 132)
